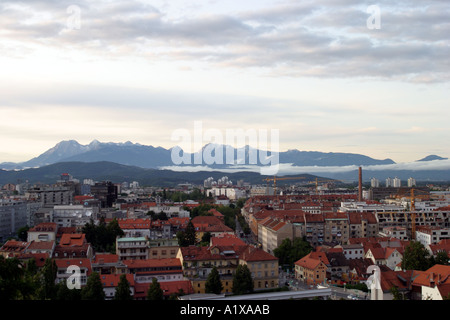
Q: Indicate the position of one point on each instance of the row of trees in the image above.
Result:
(242, 281)
(23, 281)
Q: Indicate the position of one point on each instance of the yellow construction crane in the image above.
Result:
(412, 208)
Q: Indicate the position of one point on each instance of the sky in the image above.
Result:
(330, 75)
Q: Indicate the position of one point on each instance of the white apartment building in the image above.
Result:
(73, 215)
(427, 235)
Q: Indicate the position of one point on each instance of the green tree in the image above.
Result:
(213, 283)
(396, 294)
(93, 289)
(416, 257)
(290, 251)
(22, 233)
(47, 291)
(63, 293)
(123, 291)
(441, 258)
(242, 280)
(154, 291)
(187, 237)
(11, 274)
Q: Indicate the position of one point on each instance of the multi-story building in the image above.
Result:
(431, 235)
(198, 262)
(106, 192)
(310, 270)
(163, 248)
(374, 183)
(13, 216)
(50, 196)
(73, 215)
(132, 248)
(336, 228)
(362, 225)
(45, 231)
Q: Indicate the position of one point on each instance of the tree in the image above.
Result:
(441, 258)
(291, 251)
(242, 280)
(123, 291)
(187, 238)
(22, 233)
(63, 293)
(48, 287)
(154, 291)
(416, 257)
(93, 289)
(213, 283)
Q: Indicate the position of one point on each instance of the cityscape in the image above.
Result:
(224, 158)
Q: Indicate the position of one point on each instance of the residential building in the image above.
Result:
(433, 284)
(45, 231)
(310, 270)
(353, 251)
(73, 215)
(362, 225)
(431, 235)
(132, 248)
(336, 228)
(106, 192)
(111, 281)
(67, 266)
(107, 263)
(400, 233)
(262, 265)
(50, 196)
(390, 257)
(13, 248)
(211, 224)
(13, 216)
(163, 248)
(46, 247)
(73, 245)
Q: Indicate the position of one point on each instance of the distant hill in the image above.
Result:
(432, 158)
(109, 171)
(134, 154)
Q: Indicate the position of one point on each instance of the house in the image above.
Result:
(66, 267)
(310, 270)
(433, 284)
(41, 247)
(13, 248)
(45, 231)
(135, 227)
(168, 273)
(441, 246)
(353, 251)
(107, 263)
(111, 281)
(401, 280)
(262, 265)
(198, 262)
(211, 224)
(388, 256)
(73, 245)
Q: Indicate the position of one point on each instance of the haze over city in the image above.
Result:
(138, 70)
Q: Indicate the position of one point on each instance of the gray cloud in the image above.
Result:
(311, 38)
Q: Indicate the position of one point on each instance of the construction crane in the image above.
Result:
(316, 181)
(412, 208)
(275, 179)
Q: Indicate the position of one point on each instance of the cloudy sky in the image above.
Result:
(317, 71)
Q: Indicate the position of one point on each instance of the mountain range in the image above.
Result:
(149, 157)
(153, 165)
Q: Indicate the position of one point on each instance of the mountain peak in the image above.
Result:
(432, 157)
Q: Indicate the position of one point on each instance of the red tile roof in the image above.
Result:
(112, 280)
(72, 239)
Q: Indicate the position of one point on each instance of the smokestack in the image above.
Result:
(360, 185)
